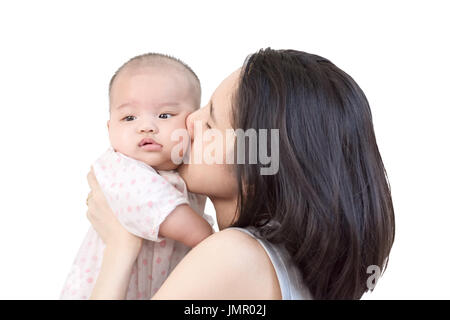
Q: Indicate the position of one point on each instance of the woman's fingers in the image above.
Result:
(97, 195)
(93, 211)
(92, 181)
(89, 197)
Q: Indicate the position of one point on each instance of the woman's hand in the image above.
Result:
(103, 220)
(122, 247)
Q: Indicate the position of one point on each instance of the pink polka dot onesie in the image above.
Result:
(141, 199)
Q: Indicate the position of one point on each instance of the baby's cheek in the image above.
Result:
(120, 141)
(181, 129)
(183, 143)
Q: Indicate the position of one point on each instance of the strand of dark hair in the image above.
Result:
(330, 203)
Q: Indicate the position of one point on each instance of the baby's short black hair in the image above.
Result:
(156, 59)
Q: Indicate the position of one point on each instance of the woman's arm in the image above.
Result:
(122, 247)
(228, 265)
(114, 277)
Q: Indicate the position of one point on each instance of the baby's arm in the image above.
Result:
(185, 225)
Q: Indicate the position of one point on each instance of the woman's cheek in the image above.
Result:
(228, 146)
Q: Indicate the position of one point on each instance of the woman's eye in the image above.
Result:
(127, 117)
(207, 125)
(165, 115)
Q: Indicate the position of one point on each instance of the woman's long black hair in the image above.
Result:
(330, 203)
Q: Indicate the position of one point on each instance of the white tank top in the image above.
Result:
(289, 276)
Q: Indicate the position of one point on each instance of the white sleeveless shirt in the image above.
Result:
(289, 276)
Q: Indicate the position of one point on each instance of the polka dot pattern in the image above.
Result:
(141, 198)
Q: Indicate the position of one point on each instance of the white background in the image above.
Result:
(56, 59)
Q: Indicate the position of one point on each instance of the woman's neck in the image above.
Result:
(225, 211)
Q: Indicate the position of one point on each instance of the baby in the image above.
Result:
(150, 96)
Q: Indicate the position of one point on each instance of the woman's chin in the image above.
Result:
(194, 181)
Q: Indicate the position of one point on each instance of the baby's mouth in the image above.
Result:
(146, 141)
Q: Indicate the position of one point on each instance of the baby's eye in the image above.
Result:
(165, 115)
(127, 117)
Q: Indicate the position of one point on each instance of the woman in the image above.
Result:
(313, 229)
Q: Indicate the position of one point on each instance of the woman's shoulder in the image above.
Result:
(240, 246)
(229, 239)
(229, 264)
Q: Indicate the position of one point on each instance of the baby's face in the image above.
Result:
(150, 103)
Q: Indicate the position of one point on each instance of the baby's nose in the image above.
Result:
(149, 126)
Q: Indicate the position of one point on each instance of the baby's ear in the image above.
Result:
(107, 124)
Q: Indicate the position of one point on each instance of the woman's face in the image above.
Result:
(215, 180)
